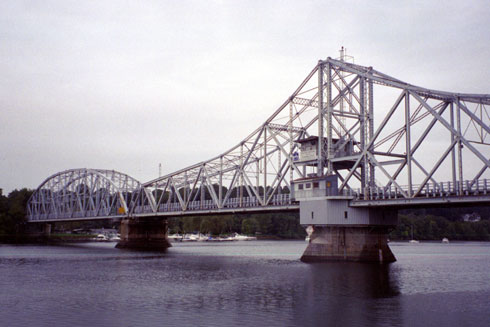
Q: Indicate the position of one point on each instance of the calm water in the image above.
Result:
(258, 283)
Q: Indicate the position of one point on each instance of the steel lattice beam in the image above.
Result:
(338, 102)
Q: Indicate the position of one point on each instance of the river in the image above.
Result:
(254, 283)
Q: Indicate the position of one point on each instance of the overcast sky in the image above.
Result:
(127, 85)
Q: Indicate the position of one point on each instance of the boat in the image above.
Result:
(101, 237)
(445, 240)
(115, 237)
(413, 241)
(220, 239)
(174, 237)
(238, 237)
(190, 238)
(202, 237)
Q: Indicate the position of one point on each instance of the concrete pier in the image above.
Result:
(144, 234)
(362, 244)
(47, 229)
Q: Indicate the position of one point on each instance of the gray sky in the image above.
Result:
(127, 85)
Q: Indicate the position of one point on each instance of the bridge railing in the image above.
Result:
(207, 205)
(74, 215)
(430, 190)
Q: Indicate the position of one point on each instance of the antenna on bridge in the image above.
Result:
(344, 56)
(160, 169)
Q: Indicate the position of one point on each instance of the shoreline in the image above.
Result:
(44, 239)
(77, 238)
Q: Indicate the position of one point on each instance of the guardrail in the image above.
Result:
(244, 202)
(431, 190)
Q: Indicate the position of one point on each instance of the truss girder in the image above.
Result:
(337, 101)
(85, 193)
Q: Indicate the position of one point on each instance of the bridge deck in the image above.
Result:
(436, 194)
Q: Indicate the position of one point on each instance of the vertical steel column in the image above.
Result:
(265, 163)
(408, 143)
(460, 147)
(329, 119)
(278, 169)
(185, 187)
(453, 152)
(241, 175)
(257, 182)
(202, 192)
(320, 120)
(372, 179)
(220, 192)
(290, 128)
(363, 141)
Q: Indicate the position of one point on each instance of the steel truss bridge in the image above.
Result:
(430, 147)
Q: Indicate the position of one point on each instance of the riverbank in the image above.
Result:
(45, 239)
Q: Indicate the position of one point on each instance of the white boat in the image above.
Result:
(174, 237)
(412, 240)
(190, 238)
(445, 240)
(115, 237)
(220, 239)
(202, 238)
(101, 237)
(238, 237)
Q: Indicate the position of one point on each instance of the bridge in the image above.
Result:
(322, 144)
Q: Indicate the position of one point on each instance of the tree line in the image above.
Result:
(430, 227)
(13, 211)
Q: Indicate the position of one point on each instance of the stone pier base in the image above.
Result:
(144, 234)
(363, 244)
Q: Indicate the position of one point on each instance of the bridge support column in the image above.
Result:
(144, 234)
(363, 244)
(47, 229)
(341, 232)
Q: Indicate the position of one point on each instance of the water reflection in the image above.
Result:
(352, 293)
(366, 280)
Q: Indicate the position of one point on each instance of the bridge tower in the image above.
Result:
(338, 231)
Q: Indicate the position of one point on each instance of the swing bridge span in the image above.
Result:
(427, 148)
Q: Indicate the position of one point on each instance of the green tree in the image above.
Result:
(191, 224)
(250, 226)
(13, 211)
